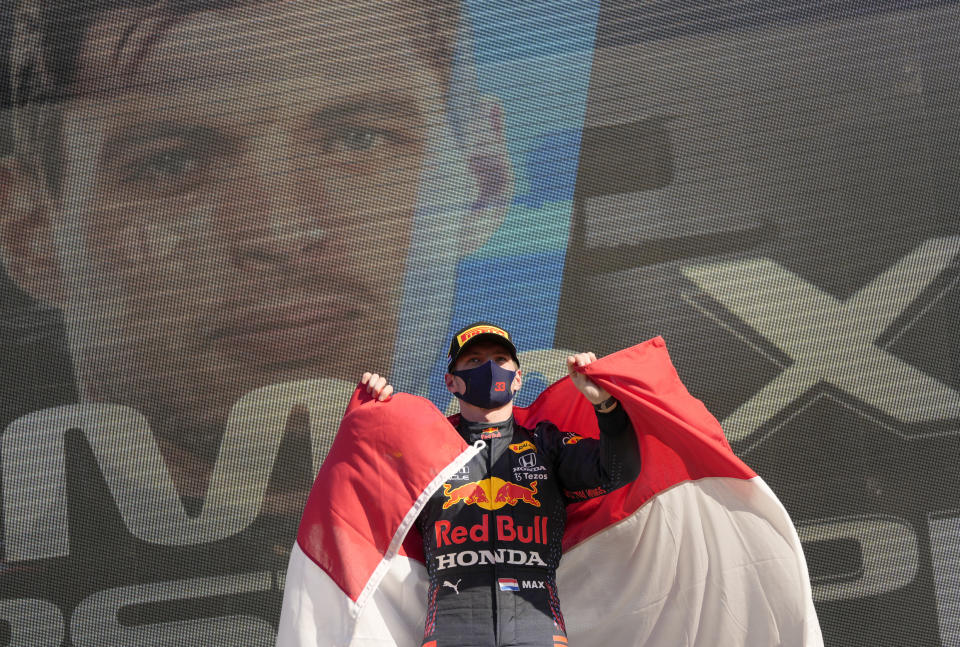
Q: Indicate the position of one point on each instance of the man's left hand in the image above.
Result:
(590, 390)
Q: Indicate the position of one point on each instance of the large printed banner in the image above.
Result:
(216, 214)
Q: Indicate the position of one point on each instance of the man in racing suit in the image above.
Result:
(492, 533)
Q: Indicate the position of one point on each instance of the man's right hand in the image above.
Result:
(377, 386)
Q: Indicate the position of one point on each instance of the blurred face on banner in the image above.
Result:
(238, 193)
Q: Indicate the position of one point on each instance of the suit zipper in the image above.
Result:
(493, 545)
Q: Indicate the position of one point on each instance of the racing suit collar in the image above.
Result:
(474, 431)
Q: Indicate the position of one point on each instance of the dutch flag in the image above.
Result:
(508, 584)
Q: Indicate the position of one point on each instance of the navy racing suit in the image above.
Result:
(492, 533)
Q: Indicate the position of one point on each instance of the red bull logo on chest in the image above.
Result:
(491, 494)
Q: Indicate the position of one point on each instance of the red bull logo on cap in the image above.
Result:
(491, 494)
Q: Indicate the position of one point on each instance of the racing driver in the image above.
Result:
(492, 533)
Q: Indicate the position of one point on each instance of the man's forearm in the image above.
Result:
(619, 450)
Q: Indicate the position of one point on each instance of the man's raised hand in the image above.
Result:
(377, 386)
(590, 390)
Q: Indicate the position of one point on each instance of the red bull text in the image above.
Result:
(506, 528)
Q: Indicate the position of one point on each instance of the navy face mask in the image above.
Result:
(488, 385)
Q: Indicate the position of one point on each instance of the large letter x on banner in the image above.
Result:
(832, 340)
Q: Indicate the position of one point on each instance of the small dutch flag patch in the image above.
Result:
(508, 584)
